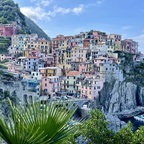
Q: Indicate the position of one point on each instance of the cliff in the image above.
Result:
(117, 97)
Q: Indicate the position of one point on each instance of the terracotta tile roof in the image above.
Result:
(73, 73)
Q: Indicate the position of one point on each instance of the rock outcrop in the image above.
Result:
(118, 96)
(120, 100)
(114, 123)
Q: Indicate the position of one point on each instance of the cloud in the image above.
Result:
(100, 2)
(126, 27)
(78, 10)
(39, 13)
(46, 2)
(60, 10)
(35, 13)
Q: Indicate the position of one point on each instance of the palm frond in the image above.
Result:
(36, 125)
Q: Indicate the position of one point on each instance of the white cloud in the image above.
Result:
(60, 10)
(75, 10)
(39, 13)
(99, 2)
(78, 10)
(35, 13)
(46, 2)
(126, 27)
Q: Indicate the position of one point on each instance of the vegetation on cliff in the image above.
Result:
(10, 13)
(4, 44)
(133, 71)
(95, 131)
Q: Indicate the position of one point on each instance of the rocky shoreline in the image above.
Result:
(129, 113)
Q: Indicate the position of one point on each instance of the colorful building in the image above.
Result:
(7, 30)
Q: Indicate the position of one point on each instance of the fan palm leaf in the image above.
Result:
(37, 124)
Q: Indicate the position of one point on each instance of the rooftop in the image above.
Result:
(73, 73)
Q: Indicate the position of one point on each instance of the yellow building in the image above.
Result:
(64, 59)
(50, 71)
(44, 46)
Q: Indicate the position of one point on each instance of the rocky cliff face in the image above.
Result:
(117, 97)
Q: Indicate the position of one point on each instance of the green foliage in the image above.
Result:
(10, 12)
(4, 44)
(139, 136)
(95, 129)
(136, 75)
(3, 61)
(35, 29)
(33, 125)
(132, 72)
(125, 135)
(3, 67)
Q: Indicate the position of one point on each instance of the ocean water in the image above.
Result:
(136, 124)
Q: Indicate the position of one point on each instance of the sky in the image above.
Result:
(69, 17)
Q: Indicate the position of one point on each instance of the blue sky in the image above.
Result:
(69, 17)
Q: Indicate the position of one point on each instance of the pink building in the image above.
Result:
(86, 43)
(130, 46)
(7, 30)
(50, 85)
(90, 87)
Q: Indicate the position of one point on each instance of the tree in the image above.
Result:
(139, 136)
(95, 130)
(125, 135)
(37, 124)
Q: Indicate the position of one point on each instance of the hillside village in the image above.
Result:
(67, 67)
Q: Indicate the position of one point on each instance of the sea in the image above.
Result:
(136, 124)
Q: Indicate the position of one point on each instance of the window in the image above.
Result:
(98, 87)
(45, 84)
(67, 77)
(45, 79)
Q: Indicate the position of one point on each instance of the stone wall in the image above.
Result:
(18, 88)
